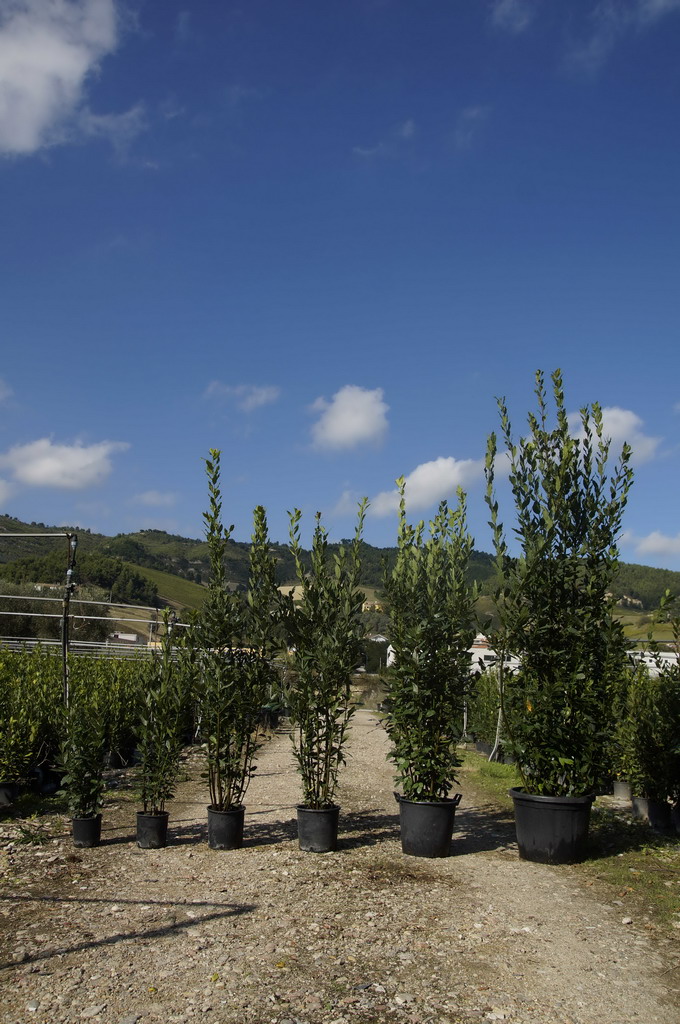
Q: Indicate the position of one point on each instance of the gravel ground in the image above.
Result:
(270, 935)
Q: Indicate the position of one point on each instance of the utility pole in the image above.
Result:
(68, 590)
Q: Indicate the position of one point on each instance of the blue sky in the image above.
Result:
(323, 237)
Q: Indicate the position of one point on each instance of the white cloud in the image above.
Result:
(392, 145)
(429, 483)
(611, 21)
(71, 467)
(354, 416)
(652, 10)
(622, 426)
(513, 16)
(407, 129)
(183, 27)
(468, 124)
(119, 129)
(6, 491)
(246, 396)
(346, 504)
(5, 391)
(237, 95)
(368, 152)
(657, 543)
(48, 49)
(160, 499)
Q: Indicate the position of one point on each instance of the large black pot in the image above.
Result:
(552, 829)
(675, 816)
(9, 791)
(427, 826)
(318, 828)
(152, 830)
(87, 832)
(656, 812)
(225, 828)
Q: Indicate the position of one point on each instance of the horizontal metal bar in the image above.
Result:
(77, 600)
(90, 618)
(4, 534)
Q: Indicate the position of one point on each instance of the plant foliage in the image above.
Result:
(554, 605)
(19, 719)
(324, 633)
(433, 625)
(649, 728)
(160, 728)
(82, 751)
(230, 649)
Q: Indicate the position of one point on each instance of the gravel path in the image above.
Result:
(270, 935)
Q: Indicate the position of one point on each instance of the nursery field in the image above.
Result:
(269, 934)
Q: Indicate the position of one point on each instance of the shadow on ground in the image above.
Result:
(133, 935)
(615, 832)
(366, 828)
(476, 829)
(483, 828)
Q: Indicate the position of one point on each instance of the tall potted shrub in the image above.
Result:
(81, 761)
(324, 634)
(231, 644)
(649, 732)
(159, 742)
(555, 613)
(433, 625)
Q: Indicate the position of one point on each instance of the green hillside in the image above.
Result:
(179, 560)
(173, 590)
(14, 543)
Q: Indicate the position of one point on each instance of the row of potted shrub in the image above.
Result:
(553, 611)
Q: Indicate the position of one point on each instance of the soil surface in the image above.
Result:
(271, 935)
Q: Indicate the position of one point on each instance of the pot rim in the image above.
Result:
(445, 802)
(318, 810)
(236, 809)
(517, 793)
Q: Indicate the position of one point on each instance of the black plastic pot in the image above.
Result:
(318, 828)
(552, 829)
(656, 812)
(87, 832)
(9, 791)
(675, 817)
(225, 828)
(427, 826)
(152, 830)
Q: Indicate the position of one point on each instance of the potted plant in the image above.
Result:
(324, 633)
(649, 733)
(230, 648)
(433, 626)
(159, 743)
(81, 760)
(555, 613)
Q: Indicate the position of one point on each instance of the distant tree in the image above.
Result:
(132, 588)
(119, 580)
(35, 619)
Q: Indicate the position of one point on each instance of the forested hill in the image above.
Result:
(44, 560)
